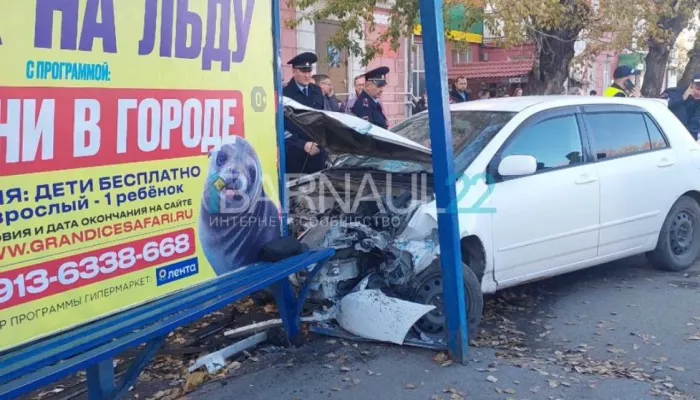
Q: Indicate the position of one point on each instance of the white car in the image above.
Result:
(545, 185)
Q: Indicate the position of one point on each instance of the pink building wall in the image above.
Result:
(394, 97)
(289, 41)
(594, 78)
(512, 54)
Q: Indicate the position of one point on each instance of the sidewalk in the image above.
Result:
(391, 373)
(618, 331)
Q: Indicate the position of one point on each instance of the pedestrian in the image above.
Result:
(367, 105)
(303, 156)
(330, 102)
(484, 94)
(622, 83)
(518, 92)
(459, 94)
(420, 104)
(358, 86)
(593, 93)
(685, 105)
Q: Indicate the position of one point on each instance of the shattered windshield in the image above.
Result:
(471, 132)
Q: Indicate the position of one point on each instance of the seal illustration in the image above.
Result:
(236, 217)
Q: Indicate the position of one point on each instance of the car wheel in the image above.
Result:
(679, 241)
(427, 289)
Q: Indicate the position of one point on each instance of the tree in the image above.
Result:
(553, 26)
(665, 20)
(693, 65)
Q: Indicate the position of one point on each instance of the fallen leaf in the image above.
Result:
(553, 383)
(410, 386)
(194, 380)
(441, 358)
(446, 363)
(680, 369)
(344, 369)
(492, 379)
(369, 372)
(355, 381)
(694, 337)
(509, 391)
(335, 389)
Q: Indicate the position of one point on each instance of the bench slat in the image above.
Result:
(80, 340)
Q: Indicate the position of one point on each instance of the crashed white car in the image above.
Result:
(545, 186)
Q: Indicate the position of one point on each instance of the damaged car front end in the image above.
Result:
(375, 206)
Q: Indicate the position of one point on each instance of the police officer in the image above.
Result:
(622, 83)
(367, 105)
(303, 156)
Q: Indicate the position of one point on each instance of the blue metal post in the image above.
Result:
(277, 62)
(440, 123)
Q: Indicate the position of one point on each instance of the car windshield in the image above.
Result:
(471, 132)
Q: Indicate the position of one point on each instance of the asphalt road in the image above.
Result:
(618, 331)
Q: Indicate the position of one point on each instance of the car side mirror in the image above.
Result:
(517, 165)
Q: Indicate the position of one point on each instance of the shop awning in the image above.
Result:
(492, 69)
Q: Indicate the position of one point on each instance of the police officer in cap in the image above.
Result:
(303, 156)
(622, 83)
(367, 105)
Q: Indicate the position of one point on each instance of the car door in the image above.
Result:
(636, 167)
(548, 220)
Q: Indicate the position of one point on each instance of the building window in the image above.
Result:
(606, 74)
(461, 56)
(418, 71)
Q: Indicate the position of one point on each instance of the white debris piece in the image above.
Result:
(216, 361)
(373, 315)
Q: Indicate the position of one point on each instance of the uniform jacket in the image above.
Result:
(369, 109)
(299, 161)
(687, 111)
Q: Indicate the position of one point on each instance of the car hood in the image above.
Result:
(347, 134)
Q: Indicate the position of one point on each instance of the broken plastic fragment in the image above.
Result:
(373, 315)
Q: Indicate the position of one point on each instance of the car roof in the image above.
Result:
(520, 103)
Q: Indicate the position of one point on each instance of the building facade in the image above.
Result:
(343, 67)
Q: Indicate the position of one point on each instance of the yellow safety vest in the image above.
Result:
(612, 91)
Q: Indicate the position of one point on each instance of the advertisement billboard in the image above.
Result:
(138, 154)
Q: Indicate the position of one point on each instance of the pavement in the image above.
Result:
(622, 330)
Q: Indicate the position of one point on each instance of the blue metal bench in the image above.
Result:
(93, 346)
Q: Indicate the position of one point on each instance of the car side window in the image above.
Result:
(554, 143)
(657, 138)
(617, 134)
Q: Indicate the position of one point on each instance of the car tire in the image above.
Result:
(679, 241)
(424, 286)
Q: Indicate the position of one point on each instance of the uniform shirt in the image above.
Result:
(370, 110)
(297, 159)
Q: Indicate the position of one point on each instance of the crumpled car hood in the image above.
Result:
(346, 134)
